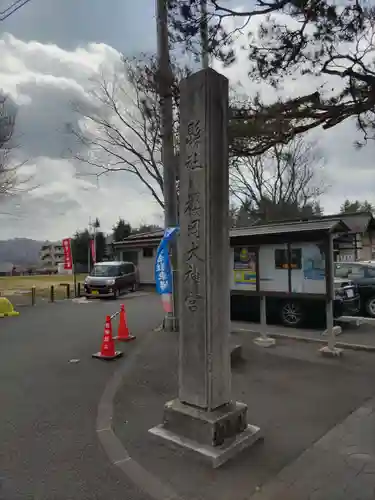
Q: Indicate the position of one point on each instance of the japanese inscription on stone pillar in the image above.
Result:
(204, 241)
(193, 211)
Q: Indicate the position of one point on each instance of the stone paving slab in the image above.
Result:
(340, 466)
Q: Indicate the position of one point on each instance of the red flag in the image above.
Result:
(68, 261)
(93, 254)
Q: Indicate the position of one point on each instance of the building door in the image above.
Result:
(130, 256)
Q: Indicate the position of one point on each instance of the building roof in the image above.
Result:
(328, 225)
(146, 235)
(357, 222)
(142, 237)
(315, 225)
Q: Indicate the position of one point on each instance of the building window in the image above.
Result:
(295, 258)
(148, 252)
(282, 258)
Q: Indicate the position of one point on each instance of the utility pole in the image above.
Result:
(89, 249)
(204, 35)
(165, 79)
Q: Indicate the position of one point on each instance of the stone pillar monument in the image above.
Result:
(204, 418)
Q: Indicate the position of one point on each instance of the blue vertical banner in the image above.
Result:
(163, 268)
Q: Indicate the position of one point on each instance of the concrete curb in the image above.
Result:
(342, 345)
(90, 301)
(112, 445)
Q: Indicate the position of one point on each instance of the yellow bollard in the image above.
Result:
(6, 308)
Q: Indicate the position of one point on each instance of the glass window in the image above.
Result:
(129, 268)
(295, 258)
(105, 271)
(148, 252)
(356, 272)
(342, 270)
(281, 258)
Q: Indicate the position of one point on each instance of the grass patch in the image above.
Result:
(11, 285)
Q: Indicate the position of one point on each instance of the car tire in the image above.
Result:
(370, 306)
(291, 314)
(115, 294)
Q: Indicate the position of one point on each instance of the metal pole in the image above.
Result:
(204, 35)
(89, 250)
(165, 79)
(329, 305)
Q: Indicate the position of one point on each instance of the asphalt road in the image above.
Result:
(48, 406)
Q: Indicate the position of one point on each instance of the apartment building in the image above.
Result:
(51, 254)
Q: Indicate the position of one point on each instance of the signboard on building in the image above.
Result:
(244, 266)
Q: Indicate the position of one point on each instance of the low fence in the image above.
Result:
(35, 295)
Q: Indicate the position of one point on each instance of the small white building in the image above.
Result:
(357, 244)
(141, 250)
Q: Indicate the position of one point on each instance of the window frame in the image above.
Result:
(144, 252)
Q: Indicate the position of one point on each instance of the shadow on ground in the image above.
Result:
(293, 394)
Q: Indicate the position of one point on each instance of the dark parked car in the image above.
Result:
(109, 279)
(296, 311)
(363, 275)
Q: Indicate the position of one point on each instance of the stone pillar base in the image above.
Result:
(331, 353)
(264, 341)
(216, 435)
(336, 330)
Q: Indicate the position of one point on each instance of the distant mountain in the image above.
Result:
(20, 251)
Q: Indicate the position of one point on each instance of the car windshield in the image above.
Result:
(105, 271)
(341, 270)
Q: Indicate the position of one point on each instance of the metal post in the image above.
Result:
(330, 349)
(33, 295)
(52, 294)
(165, 78)
(89, 249)
(264, 340)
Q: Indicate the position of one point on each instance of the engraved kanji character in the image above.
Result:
(192, 273)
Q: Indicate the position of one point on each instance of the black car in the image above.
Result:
(363, 275)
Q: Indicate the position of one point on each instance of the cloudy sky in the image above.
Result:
(49, 52)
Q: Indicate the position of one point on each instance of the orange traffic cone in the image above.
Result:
(108, 346)
(123, 333)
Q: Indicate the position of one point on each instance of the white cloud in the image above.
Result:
(44, 80)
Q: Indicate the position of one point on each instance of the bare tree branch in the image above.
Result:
(120, 127)
(331, 40)
(283, 181)
(11, 182)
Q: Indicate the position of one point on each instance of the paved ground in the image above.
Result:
(49, 447)
(340, 466)
(363, 335)
(287, 394)
(49, 406)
